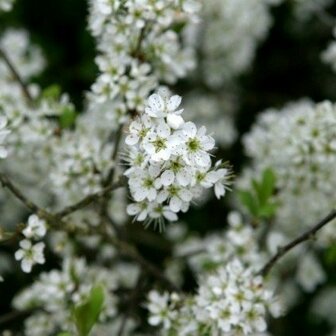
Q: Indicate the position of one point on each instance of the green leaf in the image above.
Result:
(249, 201)
(267, 185)
(268, 210)
(65, 333)
(86, 314)
(68, 117)
(52, 92)
(330, 255)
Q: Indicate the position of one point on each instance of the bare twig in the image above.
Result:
(14, 316)
(304, 237)
(133, 298)
(86, 201)
(110, 177)
(16, 76)
(56, 222)
(132, 252)
(6, 183)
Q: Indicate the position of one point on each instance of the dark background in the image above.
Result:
(287, 67)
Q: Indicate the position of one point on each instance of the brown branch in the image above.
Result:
(6, 183)
(16, 76)
(14, 316)
(304, 237)
(110, 177)
(55, 222)
(132, 252)
(86, 201)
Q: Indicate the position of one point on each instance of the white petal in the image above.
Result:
(26, 265)
(186, 195)
(190, 129)
(142, 215)
(219, 190)
(163, 130)
(175, 204)
(183, 178)
(174, 121)
(167, 178)
(133, 209)
(173, 103)
(154, 320)
(132, 139)
(171, 216)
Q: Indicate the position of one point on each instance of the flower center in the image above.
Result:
(193, 145)
(148, 183)
(173, 190)
(159, 144)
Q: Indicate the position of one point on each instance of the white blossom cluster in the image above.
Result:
(299, 144)
(138, 47)
(6, 5)
(170, 161)
(229, 35)
(31, 253)
(208, 253)
(231, 301)
(57, 292)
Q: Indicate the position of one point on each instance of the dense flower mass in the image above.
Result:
(229, 36)
(138, 48)
(56, 292)
(231, 301)
(170, 161)
(299, 144)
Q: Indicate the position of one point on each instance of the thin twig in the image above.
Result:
(304, 237)
(16, 76)
(132, 252)
(86, 201)
(55, 222)
(15, 315)
(110, 177)
(133, 298)
(6, 183)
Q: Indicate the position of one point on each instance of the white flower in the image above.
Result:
(30, 255)
(196, 144)
(36, 228)
(139, 210)
(144, 184)
(160, 144)
(138, 130)
(177, 171)
(161, 106)
(179, 197)
(159, 308)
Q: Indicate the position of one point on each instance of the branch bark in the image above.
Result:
(56, 222)
(16, 76)
(86, 201)
(297, 241)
